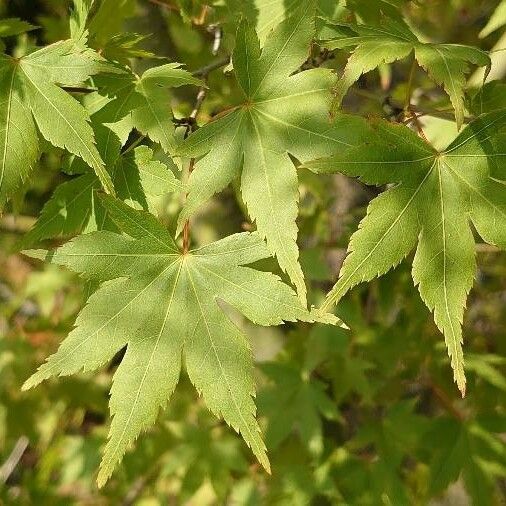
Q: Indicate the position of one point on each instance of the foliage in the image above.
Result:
(209, 170)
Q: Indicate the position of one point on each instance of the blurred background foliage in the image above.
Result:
(365, 417)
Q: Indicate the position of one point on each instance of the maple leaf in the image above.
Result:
(282, 114)
(436, 195)
(496, 21)
(30, 101)
(78, 19)
(138, 102)
(159, 302)
(103, 30)
(294, 401)
(265, 15)
(446, 64)
(14, 26)
(466, 449)
(372, 11)
(75, 207)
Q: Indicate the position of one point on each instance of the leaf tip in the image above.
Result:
(461, 384)
(30, 383)
(102, 478)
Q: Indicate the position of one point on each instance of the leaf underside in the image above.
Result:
(161, 304)
(435, 198)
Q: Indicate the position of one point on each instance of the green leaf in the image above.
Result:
(434, 198)
(265, 15)
(78, 19)
(14, 26)
(124, 46)
(483, 366)
(463, 448)
(282, 114)
(294, 402)
(29, 96)
(446, 64)
(372, 11)
(138, 102)
(496, 21)
(74, 207)
(159, 303)
(108, 20)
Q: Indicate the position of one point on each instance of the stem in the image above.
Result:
(446, 402)
(190, 128)
(206, 70)
(407, 101)
(418, 124)
(13, 459)
(134, 144)
(78, 89)
(192, 123)
(186, 228)
(165, 5)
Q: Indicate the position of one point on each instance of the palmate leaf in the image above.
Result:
(435, 197)
(159, 302)
(281, 114)
(30, 100)
(446, 64)
(265, 15)
(14, 26)
(293, 401)
(79, 18)
(466, 449)
(104, 30)
(138, 102)
(372, 11)
(496, 21)
(75, 207)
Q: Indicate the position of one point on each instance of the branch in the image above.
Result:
(13, 459)
(165, 5)
(79, 89)
(446, 402)
(205, 71)
(192, 124)
(16, 224)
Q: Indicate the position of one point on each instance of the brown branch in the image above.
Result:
(16, 224)
(206, 70)
(165, 5)
(445, 401)
(416, 122)
(192, 124)
(79, 89)
(13, 459)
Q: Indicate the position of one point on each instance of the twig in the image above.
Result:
(78, 89)
(417, 123)
(205, 71)
(487, 248)
(138, 486)
(218, 35)
(407, 100)
(165, 5)
(190, 128)
(13, 459)
(446, 402)
(439, 113)
(134, 144)
(203, 15)
(16, 224)
(192, 124)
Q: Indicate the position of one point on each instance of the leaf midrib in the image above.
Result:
(148, 365)
(252, 439)
(7, 129)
